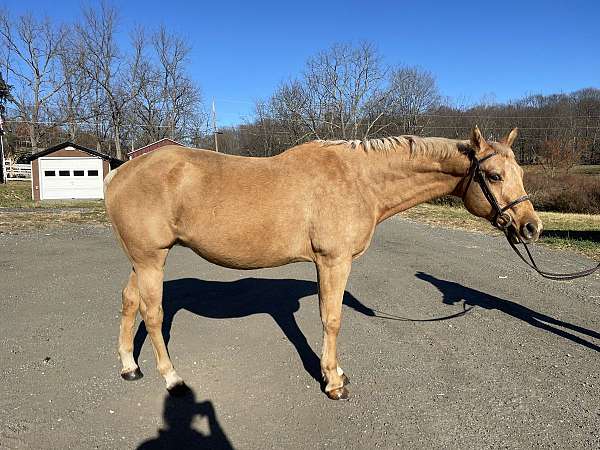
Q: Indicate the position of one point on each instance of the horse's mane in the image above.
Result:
(414, 146)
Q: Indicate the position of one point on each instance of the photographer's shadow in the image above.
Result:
(280, 298)
(177, 432)
(454, 292)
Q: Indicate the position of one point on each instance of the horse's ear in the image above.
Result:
(477, 141)
(512, 136)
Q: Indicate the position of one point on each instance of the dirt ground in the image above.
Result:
(449, 342)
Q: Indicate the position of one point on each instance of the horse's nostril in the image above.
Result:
(529, 230)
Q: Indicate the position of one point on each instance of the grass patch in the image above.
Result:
(578, 232)
(17, 194)
(587, 247)
(588, 169)
(18, 212)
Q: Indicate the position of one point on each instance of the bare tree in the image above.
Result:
(75, 96)
(411, 94)
(333, 96)
(340, 84)
(180, 95)
(31, 50)
(118, 79)
(169, 102)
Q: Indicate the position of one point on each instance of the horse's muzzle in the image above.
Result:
(529, 232)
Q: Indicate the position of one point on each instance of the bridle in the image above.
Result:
(501, 219)
(504, 221)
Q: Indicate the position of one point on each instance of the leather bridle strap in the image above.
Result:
(549, 275)
(503, 221)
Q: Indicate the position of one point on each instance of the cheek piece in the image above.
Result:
(503, 221)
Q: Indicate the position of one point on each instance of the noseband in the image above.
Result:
(503, 221)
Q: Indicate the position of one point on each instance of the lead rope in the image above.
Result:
(476, 173)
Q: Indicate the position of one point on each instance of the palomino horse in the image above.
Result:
(318, 202)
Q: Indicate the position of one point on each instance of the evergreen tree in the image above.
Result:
(4, 94)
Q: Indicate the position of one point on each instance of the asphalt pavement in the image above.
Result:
(448, 339)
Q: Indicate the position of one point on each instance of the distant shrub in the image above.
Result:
(574, 193)
(565, 192)
(447, 200)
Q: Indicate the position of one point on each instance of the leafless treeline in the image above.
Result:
(563, 127)
(347, 93)
(76, 81)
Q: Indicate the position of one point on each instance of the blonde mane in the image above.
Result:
(414, 146)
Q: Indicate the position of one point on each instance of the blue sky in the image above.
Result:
(475, 49)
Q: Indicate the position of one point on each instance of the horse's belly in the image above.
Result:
(238, 250)
(247, 262)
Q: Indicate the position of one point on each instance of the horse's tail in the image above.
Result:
(107, 179)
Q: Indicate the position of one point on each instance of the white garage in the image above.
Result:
(62, 178)
(69, 171)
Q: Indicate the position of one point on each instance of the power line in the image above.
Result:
(446, 116)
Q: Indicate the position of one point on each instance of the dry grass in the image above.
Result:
(17, 194)
(43, 218)
(18, 212)
(578, 232)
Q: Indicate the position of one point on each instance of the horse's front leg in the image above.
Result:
(332, 276)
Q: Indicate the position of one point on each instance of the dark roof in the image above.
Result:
(153, 143)
(65, 144)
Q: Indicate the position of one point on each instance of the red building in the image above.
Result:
(151, 147)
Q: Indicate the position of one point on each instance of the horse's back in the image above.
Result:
(234, 211)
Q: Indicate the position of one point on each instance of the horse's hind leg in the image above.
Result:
(131, 304)
(150, 285)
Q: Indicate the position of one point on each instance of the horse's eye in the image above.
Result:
(494, 177)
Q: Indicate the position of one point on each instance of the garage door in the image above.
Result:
(65, 178)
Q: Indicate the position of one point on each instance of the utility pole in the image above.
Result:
(3, 174)
(214, 124)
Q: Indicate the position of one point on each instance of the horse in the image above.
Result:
(316, 202)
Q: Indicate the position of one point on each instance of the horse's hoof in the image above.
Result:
(338, 394)
(345, 380)
(179, 390)
(132, 374)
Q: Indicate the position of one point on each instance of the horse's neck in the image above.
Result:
(398, 182)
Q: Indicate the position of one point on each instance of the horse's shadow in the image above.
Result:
(454, 292)
(280, 298)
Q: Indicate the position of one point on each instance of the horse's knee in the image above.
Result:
(130, 301)
(332, 325)
(128, 308)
